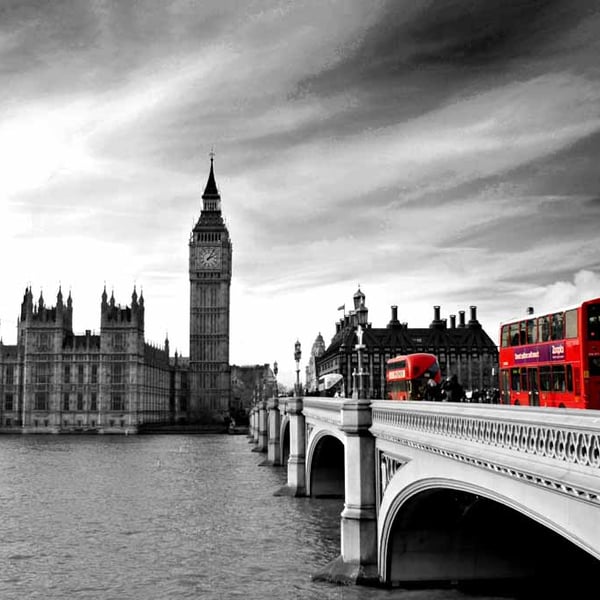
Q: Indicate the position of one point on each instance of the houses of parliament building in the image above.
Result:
(53, 380)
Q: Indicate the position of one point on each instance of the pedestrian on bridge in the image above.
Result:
(432, 391)
(454, 390)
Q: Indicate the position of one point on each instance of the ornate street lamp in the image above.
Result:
(358, 376)
(297, 356)
(275, 371)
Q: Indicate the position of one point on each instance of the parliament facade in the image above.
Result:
(56, 381)
(53, 380)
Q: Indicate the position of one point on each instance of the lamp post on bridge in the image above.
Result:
(273, 423)
(296, 484)
(358, 388)
(297, 356)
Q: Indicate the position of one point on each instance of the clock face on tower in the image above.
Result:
(209, 257)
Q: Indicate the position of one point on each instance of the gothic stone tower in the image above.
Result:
(210, 280)
(41, 333)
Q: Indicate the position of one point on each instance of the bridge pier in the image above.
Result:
(251, 425)
(261, 436)
(358, 560)
(296, 474)
(273, 448)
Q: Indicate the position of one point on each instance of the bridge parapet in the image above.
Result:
(282, 403)
(565, 435)
(555, 449)
(326, 411)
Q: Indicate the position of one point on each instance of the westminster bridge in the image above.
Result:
(439, 492)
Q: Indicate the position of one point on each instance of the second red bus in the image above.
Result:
(407, 375)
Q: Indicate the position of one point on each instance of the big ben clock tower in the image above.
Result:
(210, 280)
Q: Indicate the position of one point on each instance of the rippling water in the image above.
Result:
(169, 517)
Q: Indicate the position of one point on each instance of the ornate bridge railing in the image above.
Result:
(552, 448)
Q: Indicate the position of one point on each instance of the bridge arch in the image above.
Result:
(436, 525)
(325, 464)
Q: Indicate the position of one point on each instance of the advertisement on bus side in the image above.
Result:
(540, 353)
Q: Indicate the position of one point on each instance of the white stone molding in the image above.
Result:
(323, 410)
(559, 451)
(388, 466)
(569, 443)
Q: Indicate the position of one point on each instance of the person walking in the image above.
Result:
(432, 392)
(454, 390)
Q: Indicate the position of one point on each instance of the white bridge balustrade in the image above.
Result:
(445, 492)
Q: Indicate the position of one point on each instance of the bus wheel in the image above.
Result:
(561, 405)
(517, 403)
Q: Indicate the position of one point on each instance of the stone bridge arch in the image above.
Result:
(472, 523)
(325, 464)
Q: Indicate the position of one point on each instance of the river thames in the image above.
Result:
(162, 517)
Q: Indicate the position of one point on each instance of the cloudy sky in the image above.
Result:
(434, 153)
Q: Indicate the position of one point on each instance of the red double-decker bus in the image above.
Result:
(406, 376)
(552, 359)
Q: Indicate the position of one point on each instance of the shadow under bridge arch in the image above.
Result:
(284, 440)
(325, 466)
(445, 534)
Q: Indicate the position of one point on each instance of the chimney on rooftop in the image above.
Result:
(473, 322)
(394, 320)
(437, 322)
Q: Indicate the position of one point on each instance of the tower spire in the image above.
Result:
(211, 191)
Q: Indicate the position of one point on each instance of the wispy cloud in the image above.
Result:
(437, 153)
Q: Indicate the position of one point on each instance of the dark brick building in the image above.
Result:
(462, 347)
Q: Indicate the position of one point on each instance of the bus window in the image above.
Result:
(545, 379)
(544, 328)
(524, 386)
(515, 380)
(593, 321)
(504, 385)
(514, 334)
(571, 324)
(532, 337)
(594, 365)
(416, 389)
(522, 332)
(396, 386)
(570, 378)
(557, 326)
(558, 378)
(505, 336)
